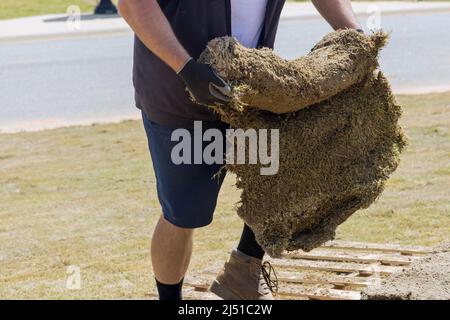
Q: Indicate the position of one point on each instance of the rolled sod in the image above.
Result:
(339, 138)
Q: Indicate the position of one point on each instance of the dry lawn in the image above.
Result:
(85, 196)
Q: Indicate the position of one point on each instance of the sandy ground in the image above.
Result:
(38, 125)
(425, 279)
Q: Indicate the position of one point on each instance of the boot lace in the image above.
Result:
(269, 276)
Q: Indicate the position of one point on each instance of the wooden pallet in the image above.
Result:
(338, 270)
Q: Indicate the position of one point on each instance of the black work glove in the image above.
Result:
(204, 84)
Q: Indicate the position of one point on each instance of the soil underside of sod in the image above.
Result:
(339, 138)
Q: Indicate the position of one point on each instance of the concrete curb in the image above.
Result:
(364, 9)
(57, 26)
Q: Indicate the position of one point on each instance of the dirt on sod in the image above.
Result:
(264, 80)
(334, 156)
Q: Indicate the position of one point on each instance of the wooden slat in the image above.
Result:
(319, 294)
(198, 282)
(192, 294)
(333, 280)
(353, 282)
(330, 255)
(199, 288)
(152, 295)
(344, 267)
(358, 246)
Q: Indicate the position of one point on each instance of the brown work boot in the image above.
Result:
(245, 278)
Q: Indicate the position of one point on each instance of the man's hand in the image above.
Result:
(204, 84)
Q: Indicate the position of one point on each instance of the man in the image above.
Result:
(170, 35)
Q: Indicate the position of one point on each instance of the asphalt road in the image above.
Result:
(83, 79)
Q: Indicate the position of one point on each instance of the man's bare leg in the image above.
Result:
(171, 251)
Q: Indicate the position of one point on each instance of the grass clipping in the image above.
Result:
(339, 138)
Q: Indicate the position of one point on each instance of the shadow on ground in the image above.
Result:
(84, 17)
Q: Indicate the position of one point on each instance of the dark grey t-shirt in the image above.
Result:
(159, 92)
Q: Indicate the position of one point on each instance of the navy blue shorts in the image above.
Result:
(187, 192)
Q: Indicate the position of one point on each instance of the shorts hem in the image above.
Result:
(186, 225)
